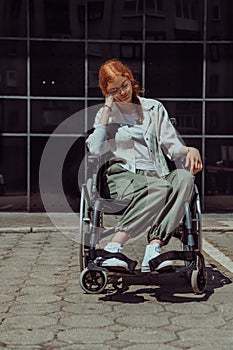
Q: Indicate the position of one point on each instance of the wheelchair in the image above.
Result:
(94, 205)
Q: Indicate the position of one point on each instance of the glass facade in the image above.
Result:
(181, 52)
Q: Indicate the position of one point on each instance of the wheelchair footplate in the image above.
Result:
(93, 278)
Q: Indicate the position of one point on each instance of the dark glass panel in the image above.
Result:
(13, 173)
(219, 20)
(57, 69)
(13, 18)
(174, 70)
(219, 70)
(47, 115)
(13, 115)
(174, 20)
(13, 63)
(74, 153)
(112, 19)
(59, 19)
(219, 120)
(218, 180)
(188, 115)
(108, 51)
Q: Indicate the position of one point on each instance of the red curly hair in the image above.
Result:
(114, 68)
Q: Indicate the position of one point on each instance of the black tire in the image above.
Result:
(93, 282)
(198, 281)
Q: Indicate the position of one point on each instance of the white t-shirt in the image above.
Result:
(142, 155)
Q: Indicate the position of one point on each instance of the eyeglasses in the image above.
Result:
(116, 91)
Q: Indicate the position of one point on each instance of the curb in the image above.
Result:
(36, 229)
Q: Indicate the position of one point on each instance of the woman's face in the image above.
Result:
(120, 89)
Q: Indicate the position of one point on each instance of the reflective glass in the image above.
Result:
(13, 173)
(13, 63)
(219, 70)
(13, 18)
(219, 169)
(174, 19)
(110, 19)
(69, 177)
(131, 57)
(174, 70)
(219, 118)
(59, 19)
(57, 69)
(187, 114)
(219, 20)
(13, 115)
(47, 115)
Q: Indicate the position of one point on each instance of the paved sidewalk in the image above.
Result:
(43, 307)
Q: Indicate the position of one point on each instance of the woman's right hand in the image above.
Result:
(109, 100)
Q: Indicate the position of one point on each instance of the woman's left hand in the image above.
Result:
(193, 160)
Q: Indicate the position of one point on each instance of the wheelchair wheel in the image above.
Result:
(93, 282)
(198, 281)
(84, 229)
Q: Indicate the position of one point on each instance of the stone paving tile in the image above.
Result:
(150, 347)
(147, 336)
(143, 321)
(36, 309)
(29, 321)
(87, 308)
(214, 337)
(24, 336)
(86, 321)
(86, 336)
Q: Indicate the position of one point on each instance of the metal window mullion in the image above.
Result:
(144, 45)
(204, 103)
(28, 114)
(86, 82)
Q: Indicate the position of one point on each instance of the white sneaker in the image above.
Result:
(118, 264)
(151, 252)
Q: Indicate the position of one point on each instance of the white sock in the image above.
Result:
(113, 247)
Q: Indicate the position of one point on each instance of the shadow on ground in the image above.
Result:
(167, 287)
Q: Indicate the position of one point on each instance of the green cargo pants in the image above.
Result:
(155, 204)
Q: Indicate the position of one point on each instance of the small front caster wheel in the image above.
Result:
(93, 282)
(198, 281)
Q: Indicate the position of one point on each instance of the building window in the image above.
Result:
(131, 50)
(186, 9)
(154, 7)
(11, 78)
(216, 16)
(214, 84)
(15, 8)
(57, 18)
(95, 10)
(133, 7)
(214, 53)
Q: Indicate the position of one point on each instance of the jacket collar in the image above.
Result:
(146, 103)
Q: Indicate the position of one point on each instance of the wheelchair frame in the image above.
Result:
(93, 278)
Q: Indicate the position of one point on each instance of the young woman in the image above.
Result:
(139, 134)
